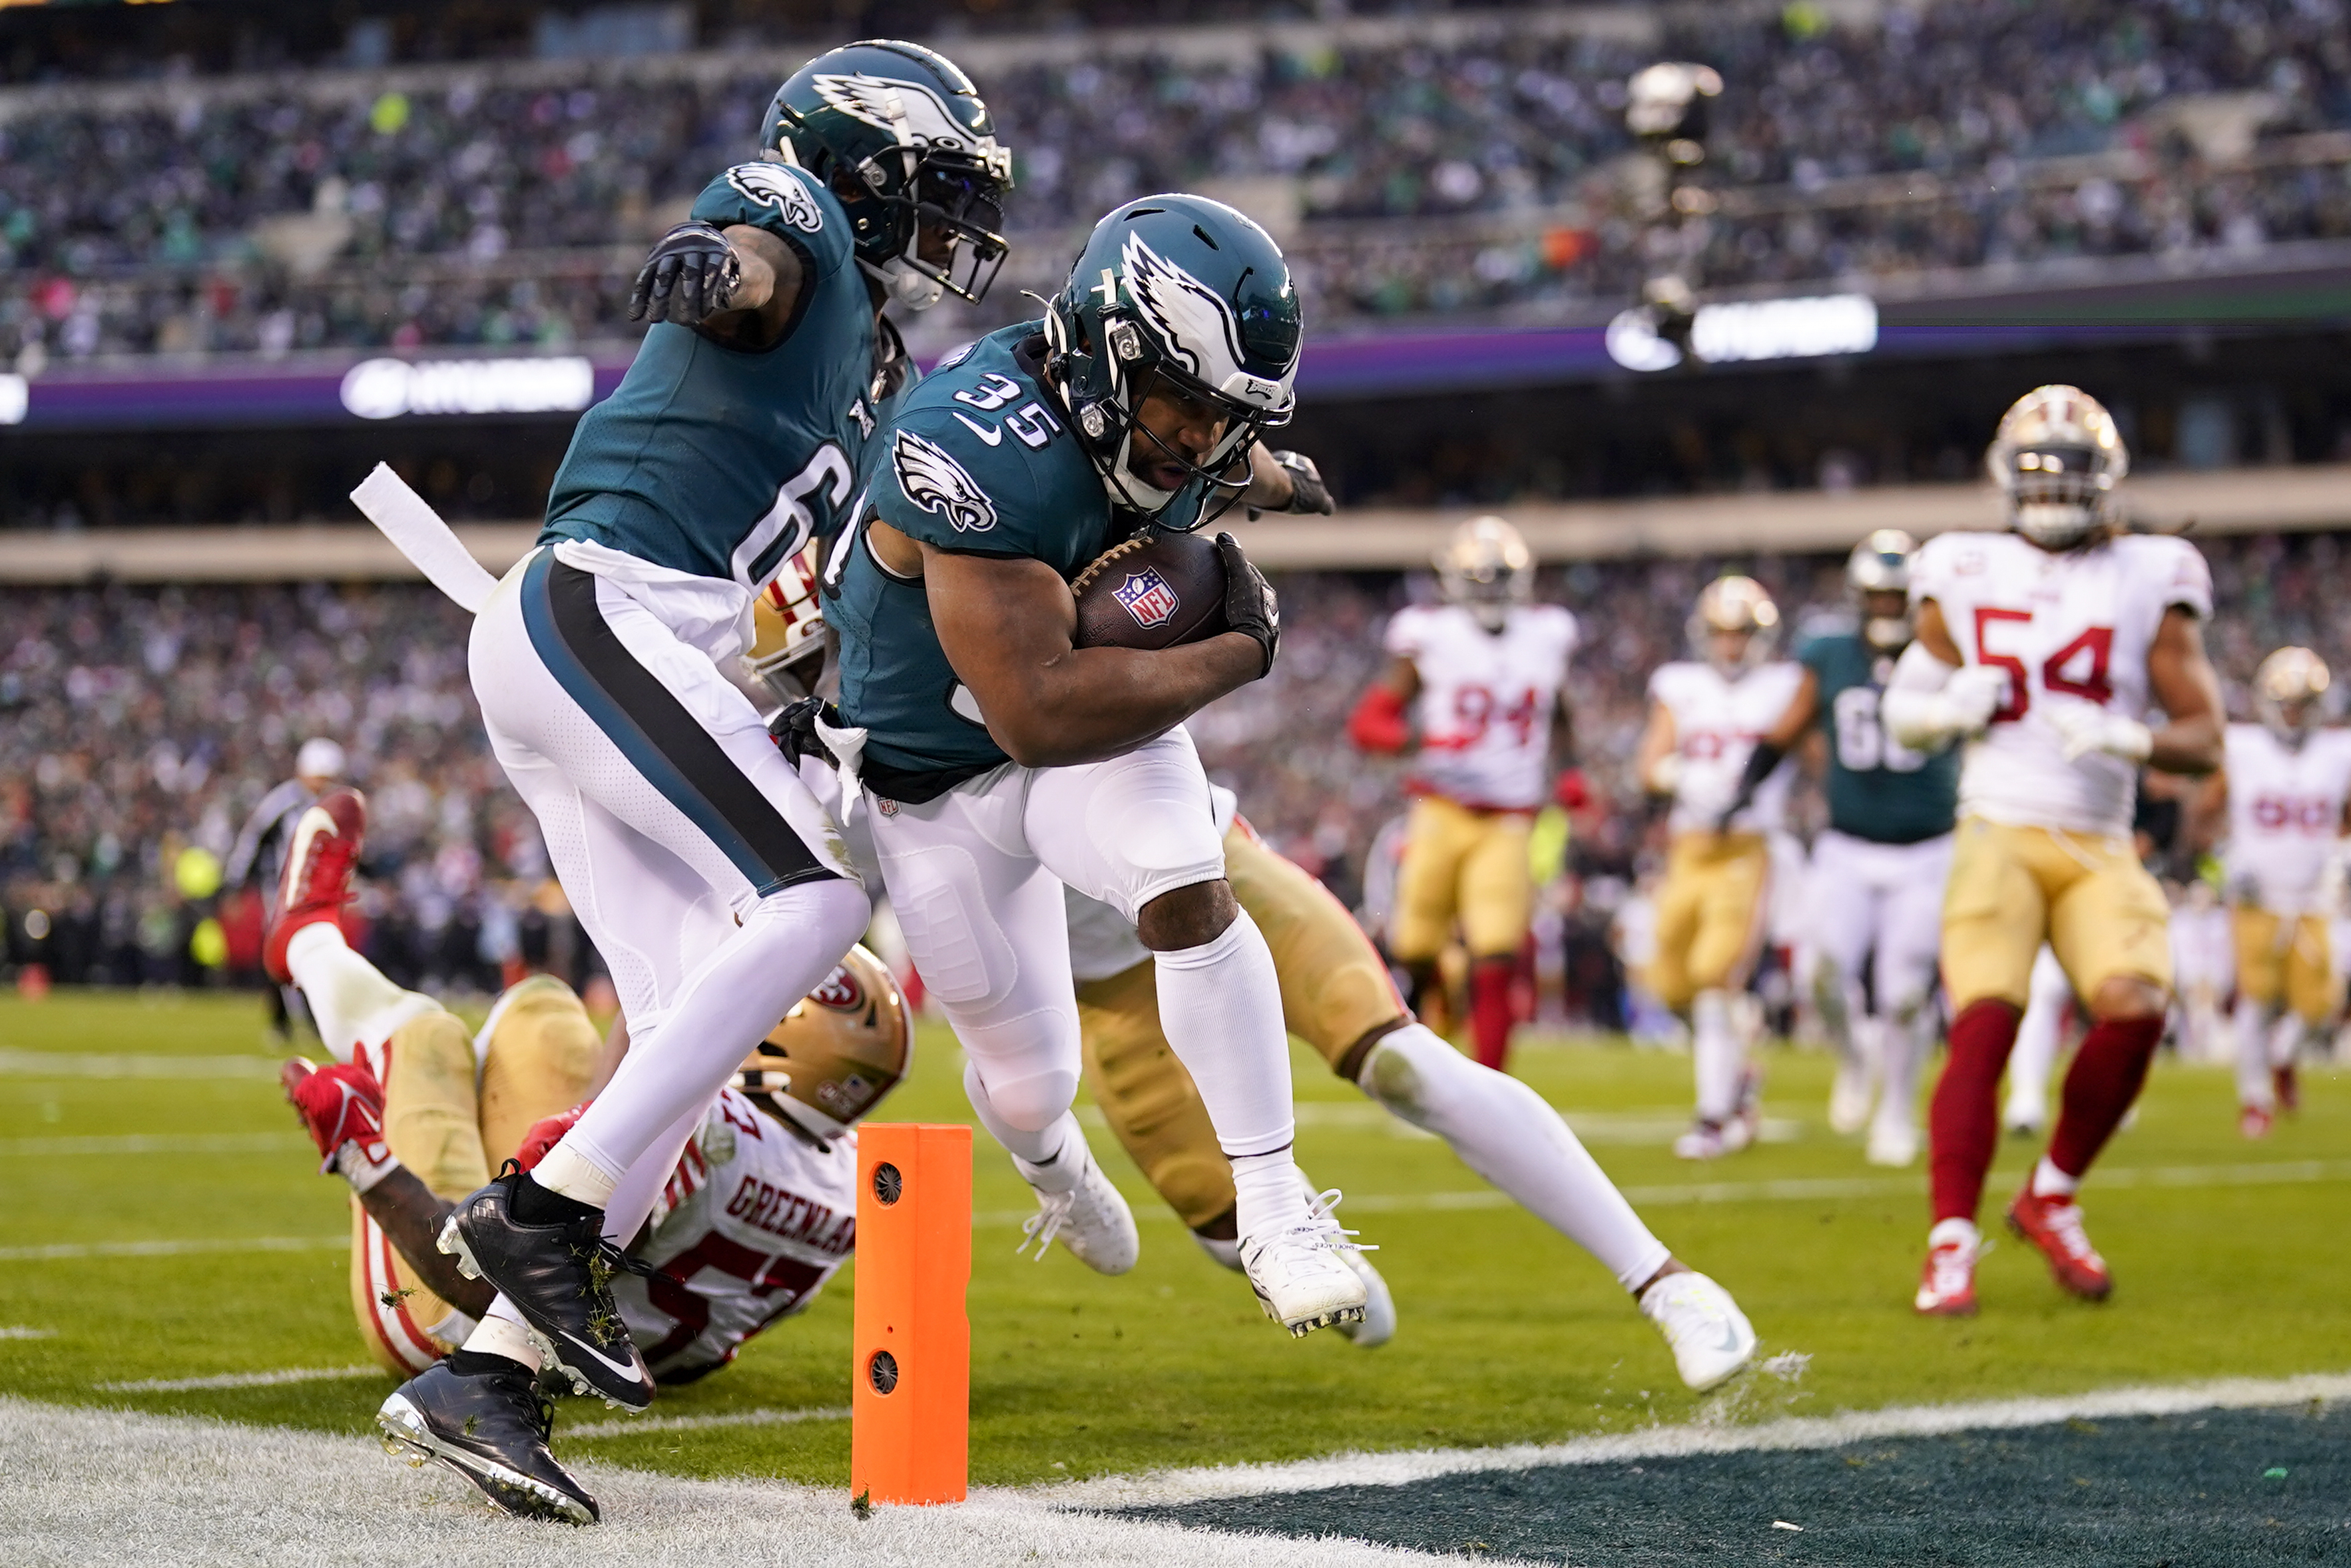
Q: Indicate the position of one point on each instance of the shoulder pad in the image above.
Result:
(789, 202)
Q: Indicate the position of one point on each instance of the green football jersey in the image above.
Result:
(719, 462)
(1878, 788)
(978, 460)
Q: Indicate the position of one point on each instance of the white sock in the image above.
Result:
(351, 1001)
(1267, 1192)
(784, 949)
(1037, 1156)
(1507, 1134)
(631, 1200)
(501, 1333)
(1220, 1007)
(2252, 1031)
(1718, 1056)
(2048, 1181)
(566, 1171)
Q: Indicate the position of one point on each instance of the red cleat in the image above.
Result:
(2253, 1121)
(339, 1105)
(2287, 1087)
(1946, 1288)
(317, 881)
(2054, 1225)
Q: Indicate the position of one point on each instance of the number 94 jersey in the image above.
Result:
(2070, 627)
(1878, 788)
(1486, 700)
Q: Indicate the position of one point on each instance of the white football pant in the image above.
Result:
(1881, 904)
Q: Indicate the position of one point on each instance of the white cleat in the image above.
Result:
(1893, 1146)
(1299, 1274)
(1849, 1098)
(1378, 1323)
(1710, 1337)
(1091, 1219)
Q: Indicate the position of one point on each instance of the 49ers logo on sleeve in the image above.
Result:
(1147, 596)
(840, 992)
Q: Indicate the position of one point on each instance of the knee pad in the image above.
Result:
(1032, 1100)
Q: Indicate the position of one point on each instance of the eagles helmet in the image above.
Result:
(900, 135)
(1181, 294)
(787, 651)
(841, 1048)
(2286, 693)
(1486, 568)
(2057, 458)
(1881, 564)
(1736, 604)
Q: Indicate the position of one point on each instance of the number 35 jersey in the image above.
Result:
(1486, 699)
(2068, 627)
(1717, 718)
(1878, 788)
(2284, 806)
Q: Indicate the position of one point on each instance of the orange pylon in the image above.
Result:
(910, 1400)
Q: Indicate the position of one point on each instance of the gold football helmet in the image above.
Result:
(1486, 568)
(841, 1048)
(788, 630)
(2287, 690)
(2057, 458)
(1737, 606)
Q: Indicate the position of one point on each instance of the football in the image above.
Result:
(1159, 589)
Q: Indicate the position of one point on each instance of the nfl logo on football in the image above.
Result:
(1147, 597)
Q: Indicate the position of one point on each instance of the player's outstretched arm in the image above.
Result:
(2181, 680)
(739, 286)
(1934, 696)
(1658, 760)
(1006, 623)
(1382, 721)
(1773, 745)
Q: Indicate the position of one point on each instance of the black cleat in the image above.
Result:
(558, 1276)
(492, 1428)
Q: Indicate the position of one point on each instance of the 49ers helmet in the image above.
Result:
(2057, 458)
(1486, 568)
(787, 651)
(2286, 693)
(841, 1048)
(1735, 603)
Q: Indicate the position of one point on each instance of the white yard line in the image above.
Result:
(633, 1426)
(65, 1252)
(111, 1145)
(240, 1379)
(17, 1332)
(81, 1064)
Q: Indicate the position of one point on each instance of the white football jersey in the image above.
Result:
(2068, 627)
(1486, 699)
(754, 1221)
(1718, 719)
(2286, 809)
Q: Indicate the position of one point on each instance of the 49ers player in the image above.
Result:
(1472, 688)
(1705, 715)
(2283, 788)
(2043, 646)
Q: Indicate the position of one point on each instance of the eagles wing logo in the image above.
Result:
(937, 483)
(772, 185)
(1192, 322)
(911, 112)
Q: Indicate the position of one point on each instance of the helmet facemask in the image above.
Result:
(2057, 457)
(2054, 496)
(1734, 606)
(1487, 569)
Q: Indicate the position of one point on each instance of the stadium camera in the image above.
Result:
(1665, 107)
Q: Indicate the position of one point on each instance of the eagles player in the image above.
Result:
(2041, 646)
(1705, 715)
(1878, 871)
(1483, 676)
(1000, 761)
(2282, 790)
(703, 868)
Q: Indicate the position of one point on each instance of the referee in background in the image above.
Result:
(259, 854)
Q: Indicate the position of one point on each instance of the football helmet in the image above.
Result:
(841, 1048)
(1184, 294)
(898, 133)
(1881, 564)
(2287, 689)
(786, 652)
(2057, 458)
(1735, 603)
(1486, 568)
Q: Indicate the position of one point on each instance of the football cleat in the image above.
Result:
(491, 1428)
(1710, 1337)
(339, 1104)
(1091, 1219)
(1849, 1097)
(1893, 1144)
(2287, 1087)
(2253, 1122)
(1947, 1287)
(1299, 1275)
(1378, 1323)
(558, 1276)
(2053, 1224)
(316, 880)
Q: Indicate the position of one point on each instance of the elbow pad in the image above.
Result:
(1378, 723)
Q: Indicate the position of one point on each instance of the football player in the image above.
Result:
(1705, 715)
(756, 1216)
(2283, 789)
(998, 761)
(1337, 996)
(1472, 689)
(2043, 646)
(1876, 884)
(703, 868)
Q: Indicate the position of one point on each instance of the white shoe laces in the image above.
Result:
(1053, 1211)
(1951, 1267)
(2065, 1221)
(1319, 1231)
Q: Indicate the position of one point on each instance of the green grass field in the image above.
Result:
(2222, 1249)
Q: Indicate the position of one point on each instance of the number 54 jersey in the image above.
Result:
(2067, 627)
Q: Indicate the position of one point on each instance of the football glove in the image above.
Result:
(545, 1133)
(2083, 730)
(1250, 603)
(342, 1107)
(1308, 494)
(689, 278)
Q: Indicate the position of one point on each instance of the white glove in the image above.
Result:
(1975, 693)
(1964, 704)
(2084, 729)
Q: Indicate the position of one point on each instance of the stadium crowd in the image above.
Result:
(138, 726)
(1426, 175)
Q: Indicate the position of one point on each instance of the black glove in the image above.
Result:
(1760, 764)
(1249, 604)
(1308, 494)
(794, 730)
(689, 278)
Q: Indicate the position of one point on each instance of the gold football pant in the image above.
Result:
(2085, 894)
(2276, 965)
(1466, 865)
(1709, 916)
(1335, 995)
(541, 1053)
